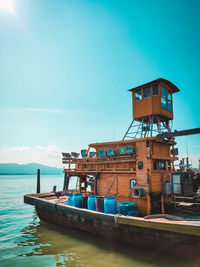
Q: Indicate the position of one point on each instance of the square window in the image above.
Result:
(140, 165)
(169, 96)
(146, 92)
(163, 103)
(163, 91)
(162, 165)
(169, 105)
(155, 90)
(138, 95)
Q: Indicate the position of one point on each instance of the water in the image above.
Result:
(26, 241)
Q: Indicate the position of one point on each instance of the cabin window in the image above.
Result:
(163, 91)
(138, 95)
(169, 106)
(169, 95)
(169, 101)
(146, 92)
(140, 165)
(166, 99)
(163, 103)
(155, 90)
(160, 165)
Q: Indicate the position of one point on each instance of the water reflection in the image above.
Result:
(69, 247)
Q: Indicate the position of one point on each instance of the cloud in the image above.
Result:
(20, 148)
(49, 151)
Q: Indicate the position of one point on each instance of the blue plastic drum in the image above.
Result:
(92, 202)
(77, 199)
(110, 205)
(70, 201)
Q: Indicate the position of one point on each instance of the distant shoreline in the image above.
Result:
(28, 169)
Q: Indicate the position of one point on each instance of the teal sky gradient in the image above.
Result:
(66, 66)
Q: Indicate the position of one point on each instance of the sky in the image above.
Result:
(66, 67)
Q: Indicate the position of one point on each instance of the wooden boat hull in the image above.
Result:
(181, 238)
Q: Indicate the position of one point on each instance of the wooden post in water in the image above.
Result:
(54, 188)
(38, 181)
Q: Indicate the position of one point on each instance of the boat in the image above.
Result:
(146, 202)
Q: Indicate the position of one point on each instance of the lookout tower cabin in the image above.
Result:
(153, 99)
(153, 104)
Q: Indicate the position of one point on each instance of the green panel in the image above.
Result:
(128, 150)
(102, 153)
(110, 152)
(121, 151)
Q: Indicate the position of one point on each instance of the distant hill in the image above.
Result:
(31, 168)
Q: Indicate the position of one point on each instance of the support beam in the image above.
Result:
(66, 181)
(179, 133)
(128, 130)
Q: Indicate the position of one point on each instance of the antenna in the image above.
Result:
(187, 159)
(186, 148)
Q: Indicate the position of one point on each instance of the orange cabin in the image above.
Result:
(153, 98)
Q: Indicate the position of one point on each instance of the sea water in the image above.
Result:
(27, 241)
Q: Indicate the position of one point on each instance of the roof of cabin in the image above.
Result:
(166, 82)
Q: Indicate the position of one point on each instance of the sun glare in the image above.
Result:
(7, 5)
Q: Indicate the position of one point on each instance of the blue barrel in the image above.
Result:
(70, 200)
(92, 202)
(77, 200)
(100, 204)
(110, 205)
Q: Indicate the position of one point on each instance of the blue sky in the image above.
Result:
(66, 67)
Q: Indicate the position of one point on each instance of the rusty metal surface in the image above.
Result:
(107, 226)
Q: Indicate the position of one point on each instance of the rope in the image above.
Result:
(116, 220)
(111, 185)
